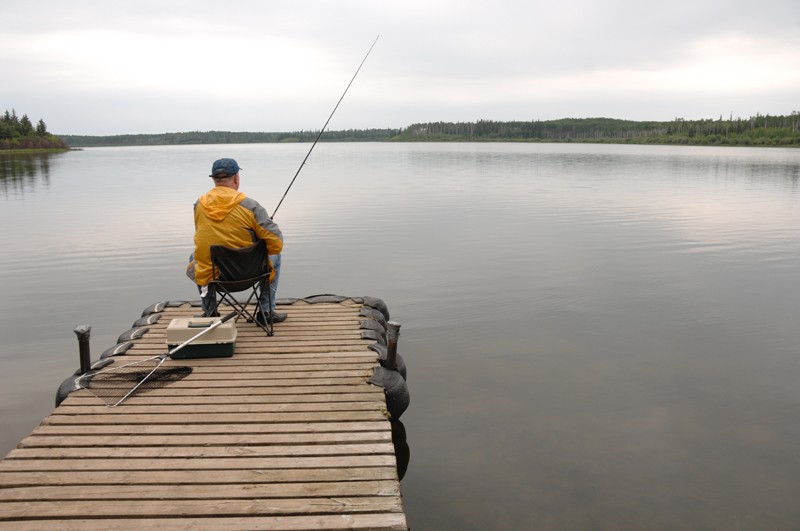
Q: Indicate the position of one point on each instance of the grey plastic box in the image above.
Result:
(218, 343)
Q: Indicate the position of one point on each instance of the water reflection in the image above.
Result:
(23, 172)
(401, 450)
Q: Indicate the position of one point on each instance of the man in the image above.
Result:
(225, 216)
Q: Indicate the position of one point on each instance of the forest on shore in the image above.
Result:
(759, 130)
(230, 137)
(20, 133)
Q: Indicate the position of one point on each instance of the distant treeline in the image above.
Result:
(759, 130)
(20, 133)
(228, 137)
(756, 131)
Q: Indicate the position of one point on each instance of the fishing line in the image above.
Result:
(324, 126)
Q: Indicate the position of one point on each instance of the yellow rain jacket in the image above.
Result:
(225, 216)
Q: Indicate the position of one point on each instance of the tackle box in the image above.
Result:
(218, 343)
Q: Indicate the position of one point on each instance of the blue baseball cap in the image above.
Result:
(224, 168)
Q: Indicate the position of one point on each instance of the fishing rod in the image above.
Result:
(324, 126)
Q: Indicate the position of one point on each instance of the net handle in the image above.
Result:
(162, 358)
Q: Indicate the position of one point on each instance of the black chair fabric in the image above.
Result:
(237, 270)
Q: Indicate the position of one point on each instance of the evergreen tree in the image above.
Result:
(6, 130)
(26, 127)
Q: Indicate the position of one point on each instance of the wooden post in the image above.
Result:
(391, 352)
(82, 331)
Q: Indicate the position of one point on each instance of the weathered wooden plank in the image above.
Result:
(256, 336)
(252, 371)
(120, 417)
(243, 390)
(241, 440)
(372, 522)
(80, 399)
(110, 493)
(173, 409)
(258, 353)
(181, 477)
(271, 382)
(205, 387)
(179, 507)
(260, 358)
(265, 362)
(298, 319)
(365, 373)
(221, 428)
(287, 349)
(304, 340)
(300, 323)
(305, 318)
(127, 452)
(293, 310)
(299, 330)
(250, 375)
(199, 463)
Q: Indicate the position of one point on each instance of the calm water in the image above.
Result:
(598, 337)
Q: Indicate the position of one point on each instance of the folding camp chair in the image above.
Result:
(236, 270)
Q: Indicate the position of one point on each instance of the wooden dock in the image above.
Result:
(287, 434)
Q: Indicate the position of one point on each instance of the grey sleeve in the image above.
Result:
(261, 216)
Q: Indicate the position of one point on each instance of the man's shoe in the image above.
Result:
(277, 317)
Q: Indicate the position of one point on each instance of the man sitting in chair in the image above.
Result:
(225, 216)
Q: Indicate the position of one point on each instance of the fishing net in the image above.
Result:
(115, 384)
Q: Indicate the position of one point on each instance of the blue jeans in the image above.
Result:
(208, 300)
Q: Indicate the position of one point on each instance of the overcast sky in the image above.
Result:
(115, 67)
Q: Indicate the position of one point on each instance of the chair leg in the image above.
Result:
(241, 308)
(258, 291)
(210, 302)
(268, 287)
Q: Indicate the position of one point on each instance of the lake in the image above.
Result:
(597, 336)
